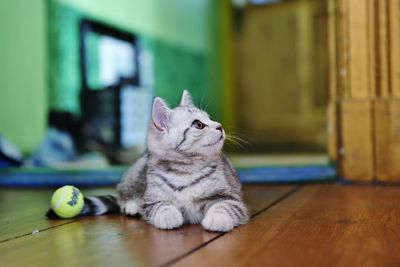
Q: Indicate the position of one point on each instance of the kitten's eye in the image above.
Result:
(198, 124)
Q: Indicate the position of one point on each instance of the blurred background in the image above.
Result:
(78, 76)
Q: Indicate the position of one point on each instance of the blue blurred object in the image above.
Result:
(10, 155)
(287, 174)
(47, 177)
(56, 147)
(38, 177)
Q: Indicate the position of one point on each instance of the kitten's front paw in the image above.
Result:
(130, 207)
(168, 217)
(217, 220)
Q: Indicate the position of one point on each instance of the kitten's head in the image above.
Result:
(184, 130)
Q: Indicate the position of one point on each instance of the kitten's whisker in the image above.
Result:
(238, 142)
(195, 96)
(202, 102)
(208, 103)
(238, 134)
(238, 139)
(235, 142)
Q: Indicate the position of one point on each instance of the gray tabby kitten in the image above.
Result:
(183, 178)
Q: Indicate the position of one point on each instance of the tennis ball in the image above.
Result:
(67, 201)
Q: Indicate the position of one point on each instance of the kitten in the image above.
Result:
(183, 178)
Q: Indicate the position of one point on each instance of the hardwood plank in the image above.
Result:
(331, 225)
(387, 139)
(258, 197)
(356, 140)
(23, 211)
(118, 240)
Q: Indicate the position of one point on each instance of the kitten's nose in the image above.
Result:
(219, 127)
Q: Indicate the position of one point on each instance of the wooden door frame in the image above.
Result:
(364, 105)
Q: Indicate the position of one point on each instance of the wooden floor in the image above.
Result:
(315, 225)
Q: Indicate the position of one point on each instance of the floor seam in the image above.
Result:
(284, 196)
(40, 230)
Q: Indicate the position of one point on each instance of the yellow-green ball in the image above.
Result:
(67, 201)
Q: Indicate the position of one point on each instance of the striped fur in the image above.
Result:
(183, 178)
(100, 205)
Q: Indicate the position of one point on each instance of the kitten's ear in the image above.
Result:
(186, 100)
(160, 114)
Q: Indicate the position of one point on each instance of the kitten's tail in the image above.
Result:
(97, 205)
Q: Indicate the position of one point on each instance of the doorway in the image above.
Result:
(282, 75)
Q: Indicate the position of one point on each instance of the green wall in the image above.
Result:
(181, 22)
(23, 71)
(178, 31)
